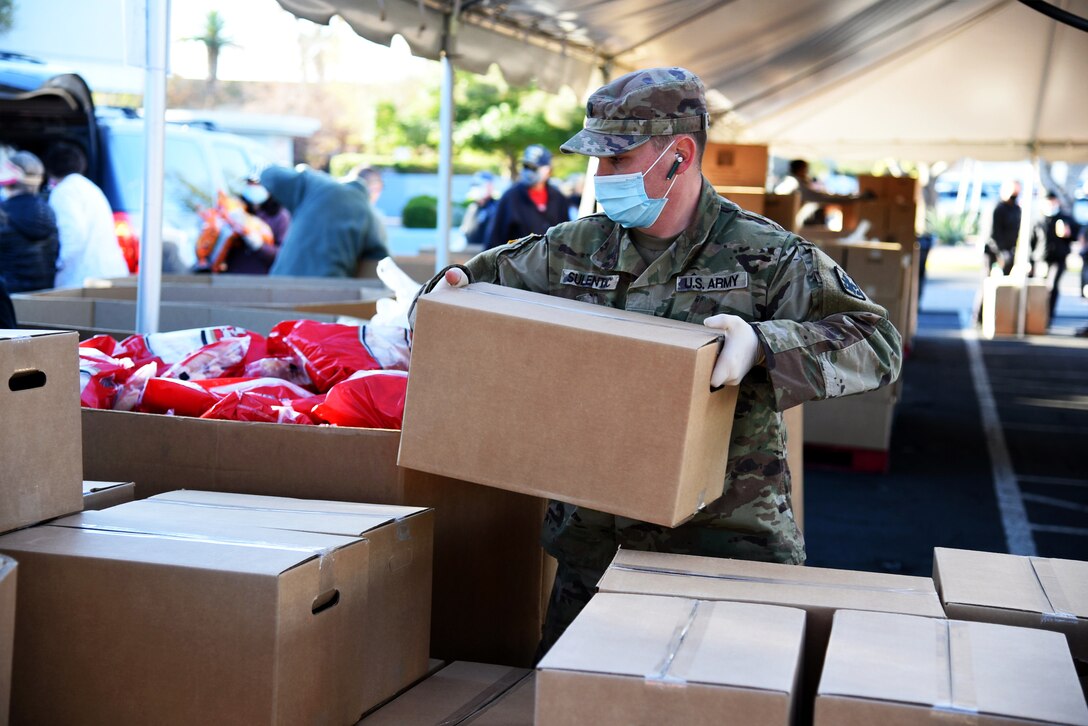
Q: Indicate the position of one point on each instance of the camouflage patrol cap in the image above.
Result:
(625, 113)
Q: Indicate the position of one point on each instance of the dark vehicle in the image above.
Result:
(39, 106)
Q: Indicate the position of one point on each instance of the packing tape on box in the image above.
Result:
(485, 698)
(686, 638)
(955, 683)
(770, 580)
(1050, 585)
(182, 537)
(405, 512)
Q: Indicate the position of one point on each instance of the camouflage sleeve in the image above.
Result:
(821, 336)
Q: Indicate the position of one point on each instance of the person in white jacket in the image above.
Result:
(88, 242)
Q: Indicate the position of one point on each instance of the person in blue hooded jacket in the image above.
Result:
(334, 227)
(531, 205)
(29, 240)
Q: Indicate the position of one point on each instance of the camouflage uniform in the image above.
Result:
(820, 337)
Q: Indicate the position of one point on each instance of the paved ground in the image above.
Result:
(989, 448)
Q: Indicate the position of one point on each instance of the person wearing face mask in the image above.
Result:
(531, 205)
(1051, 242)
(794, 326)
(29, 240)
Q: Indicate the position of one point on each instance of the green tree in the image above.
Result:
(214, 40)
(7, 15)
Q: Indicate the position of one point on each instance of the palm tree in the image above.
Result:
(214, 41)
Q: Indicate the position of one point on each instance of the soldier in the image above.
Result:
(796, 327)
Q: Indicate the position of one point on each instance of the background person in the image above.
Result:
(481, 209)
(334, 227)
(1004, 230)
(796, 327)
(1051, 242)
(531, 205)
(88, 241)
(28, 228)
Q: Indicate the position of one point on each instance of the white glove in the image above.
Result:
(740, 353)
(454, 277)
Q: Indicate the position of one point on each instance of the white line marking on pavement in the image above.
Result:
(1054, 480)
(1058, 529)
(1056, 502)
(1014, 517)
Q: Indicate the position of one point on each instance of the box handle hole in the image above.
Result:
(26, 380)
(325, 600)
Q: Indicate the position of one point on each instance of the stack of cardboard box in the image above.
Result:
(738, 172)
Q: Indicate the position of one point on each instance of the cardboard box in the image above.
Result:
(794, 420)
(749, 199)
(226, 625)
(495, 353)
(1031, 592)
(488, 564)
(861, 421)
(642, 659)
(106, 494)
(41, 466)
(818, 591)
(736, 165)
(897, 669)
(8, 572)
(396, 629)
(463, 693)
(1001, 301)
(783, 208)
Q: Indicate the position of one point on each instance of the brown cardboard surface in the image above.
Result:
(783, 208)
(284, 295)
(1033, 592)
(747, 198)
(739, 165)
(41, 466)
(514, 432)
(396, 628)
(794, 420)
(672, 655)
(225, 625)
(973, 670)
(488, 564)
(862, 421)
(1001, 298)
(105, 494)
(463, 693)
(8, 572)
(818, 591)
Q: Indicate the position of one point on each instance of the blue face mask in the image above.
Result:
(529, 177)
(623, 198)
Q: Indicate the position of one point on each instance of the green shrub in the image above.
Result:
(951, 229)
(420, 212)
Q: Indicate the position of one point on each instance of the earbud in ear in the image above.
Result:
(675, 165)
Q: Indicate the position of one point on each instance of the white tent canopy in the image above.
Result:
(927, 79)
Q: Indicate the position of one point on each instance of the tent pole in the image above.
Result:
(149, 282)
(445, 155)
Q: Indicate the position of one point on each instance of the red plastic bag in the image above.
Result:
(328, 352)
(283, 367)
(277, 388)
(222, 359)
(184, 398)
(131, 391)
(175, 345)
(103, 343)
(100, 376)
(246, 406)
(369, 399)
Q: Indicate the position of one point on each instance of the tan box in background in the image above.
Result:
(642, 659)
(8, 572)
(735, 165)
(897, 669)
(862, 421)
(488, 564)
(463, 693)
(496, 355)
(138, 628)
(394, 635)
(1031, 592)
(749, 199)
(41, 465)
(1001, 299)
(783, 208)
(820, 592)
(106, 494)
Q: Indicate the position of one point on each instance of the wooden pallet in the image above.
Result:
(845, 458)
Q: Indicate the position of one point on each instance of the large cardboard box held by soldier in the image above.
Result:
(394, 634)
(226, 625)
(463, 693)
(818, 591)
(643, 659)
(1032, 592)
(884, 668)
(8, 572)
(40, 447)
(604, 408)
(490, 574)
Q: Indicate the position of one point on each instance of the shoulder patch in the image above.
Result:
(848, 286)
